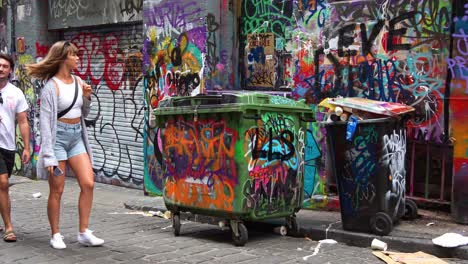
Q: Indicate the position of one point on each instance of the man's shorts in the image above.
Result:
(7, 160)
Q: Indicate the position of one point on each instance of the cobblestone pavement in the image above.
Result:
(133, 237)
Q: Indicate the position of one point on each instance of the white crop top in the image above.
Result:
(65, 98)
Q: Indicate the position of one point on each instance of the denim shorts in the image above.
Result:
(69, 141)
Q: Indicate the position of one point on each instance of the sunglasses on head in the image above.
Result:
(66, 44)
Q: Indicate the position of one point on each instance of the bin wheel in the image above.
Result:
(293, 228)
(176, 224)
(411, 210)
(241, 238)
(381, 224)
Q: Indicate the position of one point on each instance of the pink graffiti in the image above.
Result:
(269, 175)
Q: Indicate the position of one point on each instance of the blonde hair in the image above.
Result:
(49, 66)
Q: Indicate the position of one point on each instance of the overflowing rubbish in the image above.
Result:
(450, 240)
(342, 109)
(408, 258)
(379, 245)
(356, 128)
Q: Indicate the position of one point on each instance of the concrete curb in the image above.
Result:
(332, 231)
(403, 244)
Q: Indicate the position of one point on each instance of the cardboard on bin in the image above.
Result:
(372, 106)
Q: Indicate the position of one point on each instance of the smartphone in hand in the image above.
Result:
(57, 171)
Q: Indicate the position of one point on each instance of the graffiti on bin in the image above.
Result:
(281, 100)
(394, 158)
(273, 161)
(200, 160)
(219, 196)
(357, 188)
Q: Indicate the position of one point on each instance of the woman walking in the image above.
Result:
(65, 102)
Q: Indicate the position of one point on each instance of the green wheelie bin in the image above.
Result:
(236, 157)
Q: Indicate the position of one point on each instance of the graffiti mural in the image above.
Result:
(385, 51)
(186, 51)
(174, 50)
(173, 64)
(31, 89)
(457, 64)
(265, 25)
(392, 51)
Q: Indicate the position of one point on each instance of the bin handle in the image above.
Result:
(256, 117)
(307, 119)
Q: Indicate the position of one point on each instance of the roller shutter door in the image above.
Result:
(110, 60)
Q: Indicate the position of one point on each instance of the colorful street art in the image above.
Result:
(31, 89)
(413, 52)
(392, 51)
(186, 51)
(457, 67)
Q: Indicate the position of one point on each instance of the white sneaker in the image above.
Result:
(88, 239)
(57, 241)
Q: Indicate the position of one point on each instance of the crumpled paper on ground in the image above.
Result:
(450, 240)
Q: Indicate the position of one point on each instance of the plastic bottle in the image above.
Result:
(351, 128)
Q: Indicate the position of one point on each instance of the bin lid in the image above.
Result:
(230, 102)
(373, 106)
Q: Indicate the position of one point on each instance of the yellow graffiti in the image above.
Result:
(25, 59)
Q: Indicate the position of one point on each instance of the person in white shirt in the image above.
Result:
(13, 107)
